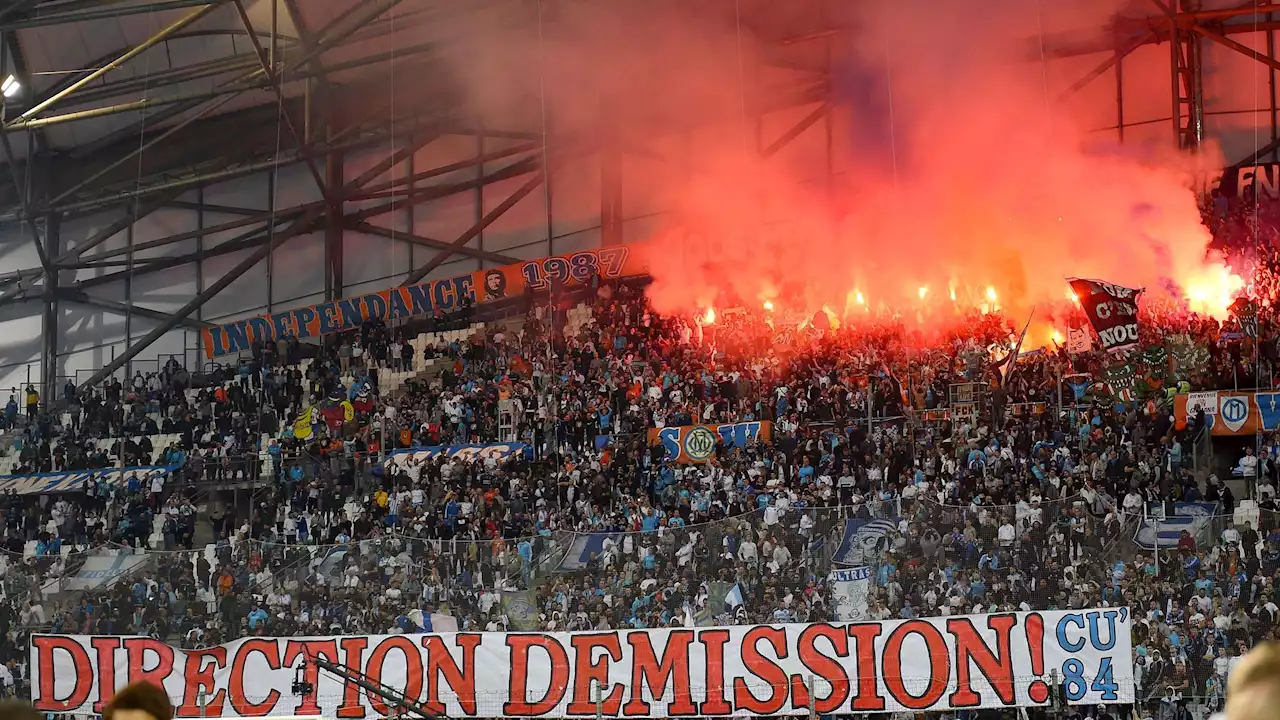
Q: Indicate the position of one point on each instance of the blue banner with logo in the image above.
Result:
(48, 483)
(687, 444)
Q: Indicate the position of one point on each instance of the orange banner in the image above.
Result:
(697, 443)
(1230, 413)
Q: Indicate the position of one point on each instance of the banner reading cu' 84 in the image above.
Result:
(979, 661)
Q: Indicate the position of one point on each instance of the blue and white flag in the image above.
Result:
(62, 482)
(1163, 532)
(863, 541)
(581, 549)
(734, 597)
(468, 453)
(849, 589)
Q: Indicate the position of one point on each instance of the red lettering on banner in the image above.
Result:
(105, 648)
(672, 670)
(868, 697)
(1038, 690)
(306, 650)
(896, 684)
(136, 648)
(352, 652)
(716, 703)
(412, 685)
(586, 669)
(769, 672)
(996, 667)
(518, 703)
(460, 679)
(824, 666)
(240, 700)
(45, 646)
(197, 677)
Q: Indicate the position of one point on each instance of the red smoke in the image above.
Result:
(959, 172)
(990, 183)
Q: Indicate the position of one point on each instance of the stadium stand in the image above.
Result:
(299, 499)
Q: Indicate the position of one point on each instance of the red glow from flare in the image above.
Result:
(709, 317)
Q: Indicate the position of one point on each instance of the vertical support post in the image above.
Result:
(410, 221)
(1119, 95)
(333, 231)
(479, 216)
(49, 321)
(1271, 85)
(1175, 76)
(610, 180)
(271, 256)
(128, 294)
(199, 270)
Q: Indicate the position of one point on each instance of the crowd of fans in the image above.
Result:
(1029, 501)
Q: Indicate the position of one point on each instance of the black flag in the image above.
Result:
(1112, 310)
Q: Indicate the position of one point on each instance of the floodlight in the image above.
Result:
(10, 87)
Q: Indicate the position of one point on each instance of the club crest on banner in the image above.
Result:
(1234, 411)
(699, 443)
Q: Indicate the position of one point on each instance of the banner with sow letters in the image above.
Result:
(978, 661)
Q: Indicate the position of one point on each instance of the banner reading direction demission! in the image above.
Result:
(979, 661)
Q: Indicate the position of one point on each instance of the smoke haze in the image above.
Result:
(961, 169)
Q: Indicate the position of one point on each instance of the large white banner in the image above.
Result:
(980, 661)
(849, 590)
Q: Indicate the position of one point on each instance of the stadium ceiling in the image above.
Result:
(130, 104)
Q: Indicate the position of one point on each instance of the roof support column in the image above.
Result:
(51, 313)
(334, 237)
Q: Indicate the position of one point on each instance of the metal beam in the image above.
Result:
(378, 190)
(370, 229)
(476, 229)
(109, 231)
(1107, 64)
(262, 216)
(805, 123)
(434, 192)
(80, 297)
(122, 10)
(1238, 47)
(146, 45)
(274, 79)
(370, 9)
(277, 239)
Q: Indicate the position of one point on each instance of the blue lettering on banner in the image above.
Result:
(1074, 630)
(329, 323)
(237, 336)
(302, 318)
(850, 575)
(739, 435)
(349, 309)
(1268, 409)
